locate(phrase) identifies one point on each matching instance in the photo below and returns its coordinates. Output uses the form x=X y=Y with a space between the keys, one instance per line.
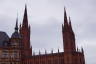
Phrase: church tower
x=16 y=37
x=25 y=34
x=68 y=35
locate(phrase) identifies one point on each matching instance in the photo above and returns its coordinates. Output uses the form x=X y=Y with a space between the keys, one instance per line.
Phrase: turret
x=16 y=37
x=16 y=33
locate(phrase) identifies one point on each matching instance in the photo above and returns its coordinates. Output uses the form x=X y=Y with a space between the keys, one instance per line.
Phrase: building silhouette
x=17 y=48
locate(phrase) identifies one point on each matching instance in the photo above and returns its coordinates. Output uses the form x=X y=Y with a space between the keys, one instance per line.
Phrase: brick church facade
x=17 y=48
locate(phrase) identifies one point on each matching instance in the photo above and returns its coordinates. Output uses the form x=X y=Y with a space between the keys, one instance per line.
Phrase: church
x=17 y=49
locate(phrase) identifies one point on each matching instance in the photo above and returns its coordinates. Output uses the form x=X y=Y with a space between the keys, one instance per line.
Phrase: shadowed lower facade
x=17 y=48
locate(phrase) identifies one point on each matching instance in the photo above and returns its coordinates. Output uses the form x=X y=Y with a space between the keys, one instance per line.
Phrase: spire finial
x=58 y=50
x=16 y=27
x=52 y=51
x=82 y=49
x=64 y=8
x=25 y=5
x=65 y=17
x=45 y=51
x=25 y=19
x=39 y=52
x=70 y=21
x=33 y=52
x=70 y=25
x=25 y=8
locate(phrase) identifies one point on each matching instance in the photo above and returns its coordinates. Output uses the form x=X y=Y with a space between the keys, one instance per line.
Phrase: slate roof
x=3 y=37
x=15 y=35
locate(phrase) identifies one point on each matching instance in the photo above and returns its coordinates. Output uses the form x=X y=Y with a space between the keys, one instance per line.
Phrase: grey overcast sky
x=46 y=18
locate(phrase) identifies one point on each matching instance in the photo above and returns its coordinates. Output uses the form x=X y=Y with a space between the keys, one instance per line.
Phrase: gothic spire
x=70 y=25
x=16 y=34
x=71 y=30
x=25 y=18
x=66 y=27
x=16 y=27
x=65 y=17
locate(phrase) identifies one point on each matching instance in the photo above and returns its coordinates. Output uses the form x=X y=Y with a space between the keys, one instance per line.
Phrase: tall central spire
x=25 y=33
x=25 y=18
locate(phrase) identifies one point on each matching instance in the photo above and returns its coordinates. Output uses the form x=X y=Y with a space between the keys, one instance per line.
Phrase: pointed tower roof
x=70 y=22
x=70 y=25
x=65 y=27
x=16 y=27
x=16 y=34
x=65 y=17
x=25 y=18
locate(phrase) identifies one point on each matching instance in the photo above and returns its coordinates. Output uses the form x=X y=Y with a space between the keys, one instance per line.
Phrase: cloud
x=46 y=17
